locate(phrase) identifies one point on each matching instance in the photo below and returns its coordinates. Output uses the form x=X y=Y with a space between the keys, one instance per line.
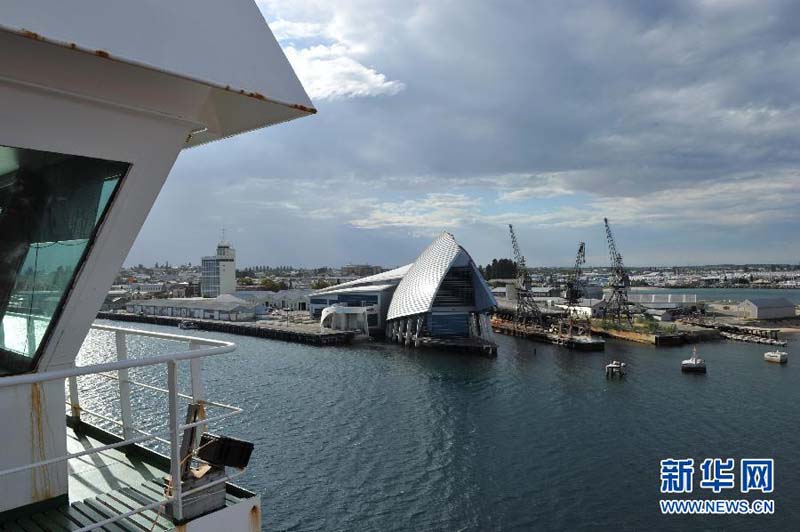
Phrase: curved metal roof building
x=440 y=299
x=419 y=288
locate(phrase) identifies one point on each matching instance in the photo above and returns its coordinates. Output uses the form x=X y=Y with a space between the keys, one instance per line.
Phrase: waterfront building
x=766 y=308
x=441 y=295
x=373 y=292
x=224 y=308
x=146 y=288
x=218 y=272
x=292 y=299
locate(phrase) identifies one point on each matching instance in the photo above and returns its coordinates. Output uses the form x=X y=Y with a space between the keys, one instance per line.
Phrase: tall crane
x=574 y=290
x=573 y=295
x=617 y=304
x=528 y=312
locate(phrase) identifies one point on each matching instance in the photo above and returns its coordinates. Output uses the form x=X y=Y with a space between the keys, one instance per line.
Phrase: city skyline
x=678 y=122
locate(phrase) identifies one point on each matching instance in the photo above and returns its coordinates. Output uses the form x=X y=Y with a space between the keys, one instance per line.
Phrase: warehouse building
x=225 y=308
x=767 y=308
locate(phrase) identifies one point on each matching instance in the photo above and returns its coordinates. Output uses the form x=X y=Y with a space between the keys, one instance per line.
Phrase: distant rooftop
x=770 y=302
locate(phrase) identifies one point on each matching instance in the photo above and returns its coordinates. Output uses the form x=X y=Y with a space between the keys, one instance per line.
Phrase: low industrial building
x=766 y=308
x=292 y=299
x=589 y=308
x=441 y=298
x=225 y=308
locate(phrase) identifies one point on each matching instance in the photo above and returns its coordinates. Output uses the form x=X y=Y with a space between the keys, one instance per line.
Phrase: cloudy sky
x=679 y=121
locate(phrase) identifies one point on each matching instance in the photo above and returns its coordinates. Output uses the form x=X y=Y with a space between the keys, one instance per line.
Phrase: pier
x=740 y=333
x=537 y=334
x=287 y=332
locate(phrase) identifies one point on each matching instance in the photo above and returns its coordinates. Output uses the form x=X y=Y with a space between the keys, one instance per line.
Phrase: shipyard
x=399 y=266
x=465 y=304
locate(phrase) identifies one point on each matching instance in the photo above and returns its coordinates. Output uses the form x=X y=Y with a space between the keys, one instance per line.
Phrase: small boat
x=187 y=324
x=615 y=369
x=694 y=364
x=779 y=357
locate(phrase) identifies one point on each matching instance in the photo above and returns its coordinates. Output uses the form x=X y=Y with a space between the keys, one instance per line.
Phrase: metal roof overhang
x=237 y=82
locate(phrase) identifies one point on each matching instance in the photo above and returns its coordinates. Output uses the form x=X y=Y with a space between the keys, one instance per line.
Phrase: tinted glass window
x=50 y=208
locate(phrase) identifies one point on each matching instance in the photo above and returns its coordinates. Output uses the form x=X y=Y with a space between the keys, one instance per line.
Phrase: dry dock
x=289 y=332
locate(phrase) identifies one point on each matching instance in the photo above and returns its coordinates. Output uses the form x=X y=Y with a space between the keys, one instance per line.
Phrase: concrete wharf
x=287 y=332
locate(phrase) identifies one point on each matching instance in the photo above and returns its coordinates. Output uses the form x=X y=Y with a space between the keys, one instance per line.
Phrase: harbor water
x=378 y=437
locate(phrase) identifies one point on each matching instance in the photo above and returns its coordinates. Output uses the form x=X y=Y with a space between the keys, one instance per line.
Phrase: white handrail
x=193 y=354
x=31 y=378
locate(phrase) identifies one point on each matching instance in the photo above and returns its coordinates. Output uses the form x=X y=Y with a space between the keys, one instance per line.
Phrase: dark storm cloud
x=657 y=114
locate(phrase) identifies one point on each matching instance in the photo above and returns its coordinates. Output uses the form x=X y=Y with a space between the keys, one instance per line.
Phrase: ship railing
x=198 y=349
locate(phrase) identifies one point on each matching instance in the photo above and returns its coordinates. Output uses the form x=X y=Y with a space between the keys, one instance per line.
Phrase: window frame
x=10 y=358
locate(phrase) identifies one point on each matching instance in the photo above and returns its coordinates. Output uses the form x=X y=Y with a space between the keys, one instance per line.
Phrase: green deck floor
x=100 y=486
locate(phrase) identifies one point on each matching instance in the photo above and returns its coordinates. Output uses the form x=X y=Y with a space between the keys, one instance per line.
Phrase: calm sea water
x=377 y=437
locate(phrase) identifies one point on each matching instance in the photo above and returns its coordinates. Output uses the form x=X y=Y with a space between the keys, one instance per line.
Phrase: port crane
x=573 y=295
x=528 y=312
x=617 y=305
x=574 y=290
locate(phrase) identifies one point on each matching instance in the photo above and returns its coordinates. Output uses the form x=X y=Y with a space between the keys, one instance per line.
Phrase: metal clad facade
x=415 y=293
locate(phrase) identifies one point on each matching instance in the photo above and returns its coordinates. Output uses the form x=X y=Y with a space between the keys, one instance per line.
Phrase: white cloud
x=330 y=66
x=427 y=215
x=330 y=73
x=517 y=187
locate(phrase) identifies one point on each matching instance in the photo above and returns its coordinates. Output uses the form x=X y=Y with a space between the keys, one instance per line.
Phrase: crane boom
x=527 y=310
x=617 y=304
x=574 y=290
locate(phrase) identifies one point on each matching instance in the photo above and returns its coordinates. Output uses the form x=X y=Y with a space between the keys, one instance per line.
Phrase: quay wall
x=287 y=334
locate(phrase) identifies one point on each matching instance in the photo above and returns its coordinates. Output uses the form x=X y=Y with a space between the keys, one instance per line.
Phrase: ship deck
x=102 y=485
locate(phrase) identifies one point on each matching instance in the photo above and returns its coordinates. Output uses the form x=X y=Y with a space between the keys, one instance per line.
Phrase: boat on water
x=97 y=102
x=615 y=369
x=779 y=357
x=188 y=325
x=694 y=364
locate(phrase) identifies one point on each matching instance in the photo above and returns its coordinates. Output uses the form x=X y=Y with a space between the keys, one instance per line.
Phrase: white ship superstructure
x=97 y=99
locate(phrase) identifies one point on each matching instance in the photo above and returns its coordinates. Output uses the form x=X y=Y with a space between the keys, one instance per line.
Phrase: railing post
x=196 y=366
x=124 y=387
x=174 y=446
x=74 y=401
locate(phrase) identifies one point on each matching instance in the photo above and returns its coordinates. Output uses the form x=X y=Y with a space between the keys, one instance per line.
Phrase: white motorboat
x=779 y=357
x=694 y=364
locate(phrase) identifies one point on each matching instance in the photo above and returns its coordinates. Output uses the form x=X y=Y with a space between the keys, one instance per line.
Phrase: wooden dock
x=472 y=344
x=286 y=332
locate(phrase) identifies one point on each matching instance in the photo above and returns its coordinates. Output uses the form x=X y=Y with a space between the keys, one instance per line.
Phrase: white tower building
x=219 y=272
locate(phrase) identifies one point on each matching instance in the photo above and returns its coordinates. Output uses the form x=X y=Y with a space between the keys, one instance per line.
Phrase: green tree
x=319 y=284
x=271 y=285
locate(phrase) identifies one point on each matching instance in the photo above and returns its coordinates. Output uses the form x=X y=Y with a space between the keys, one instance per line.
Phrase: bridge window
x=51 y=206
